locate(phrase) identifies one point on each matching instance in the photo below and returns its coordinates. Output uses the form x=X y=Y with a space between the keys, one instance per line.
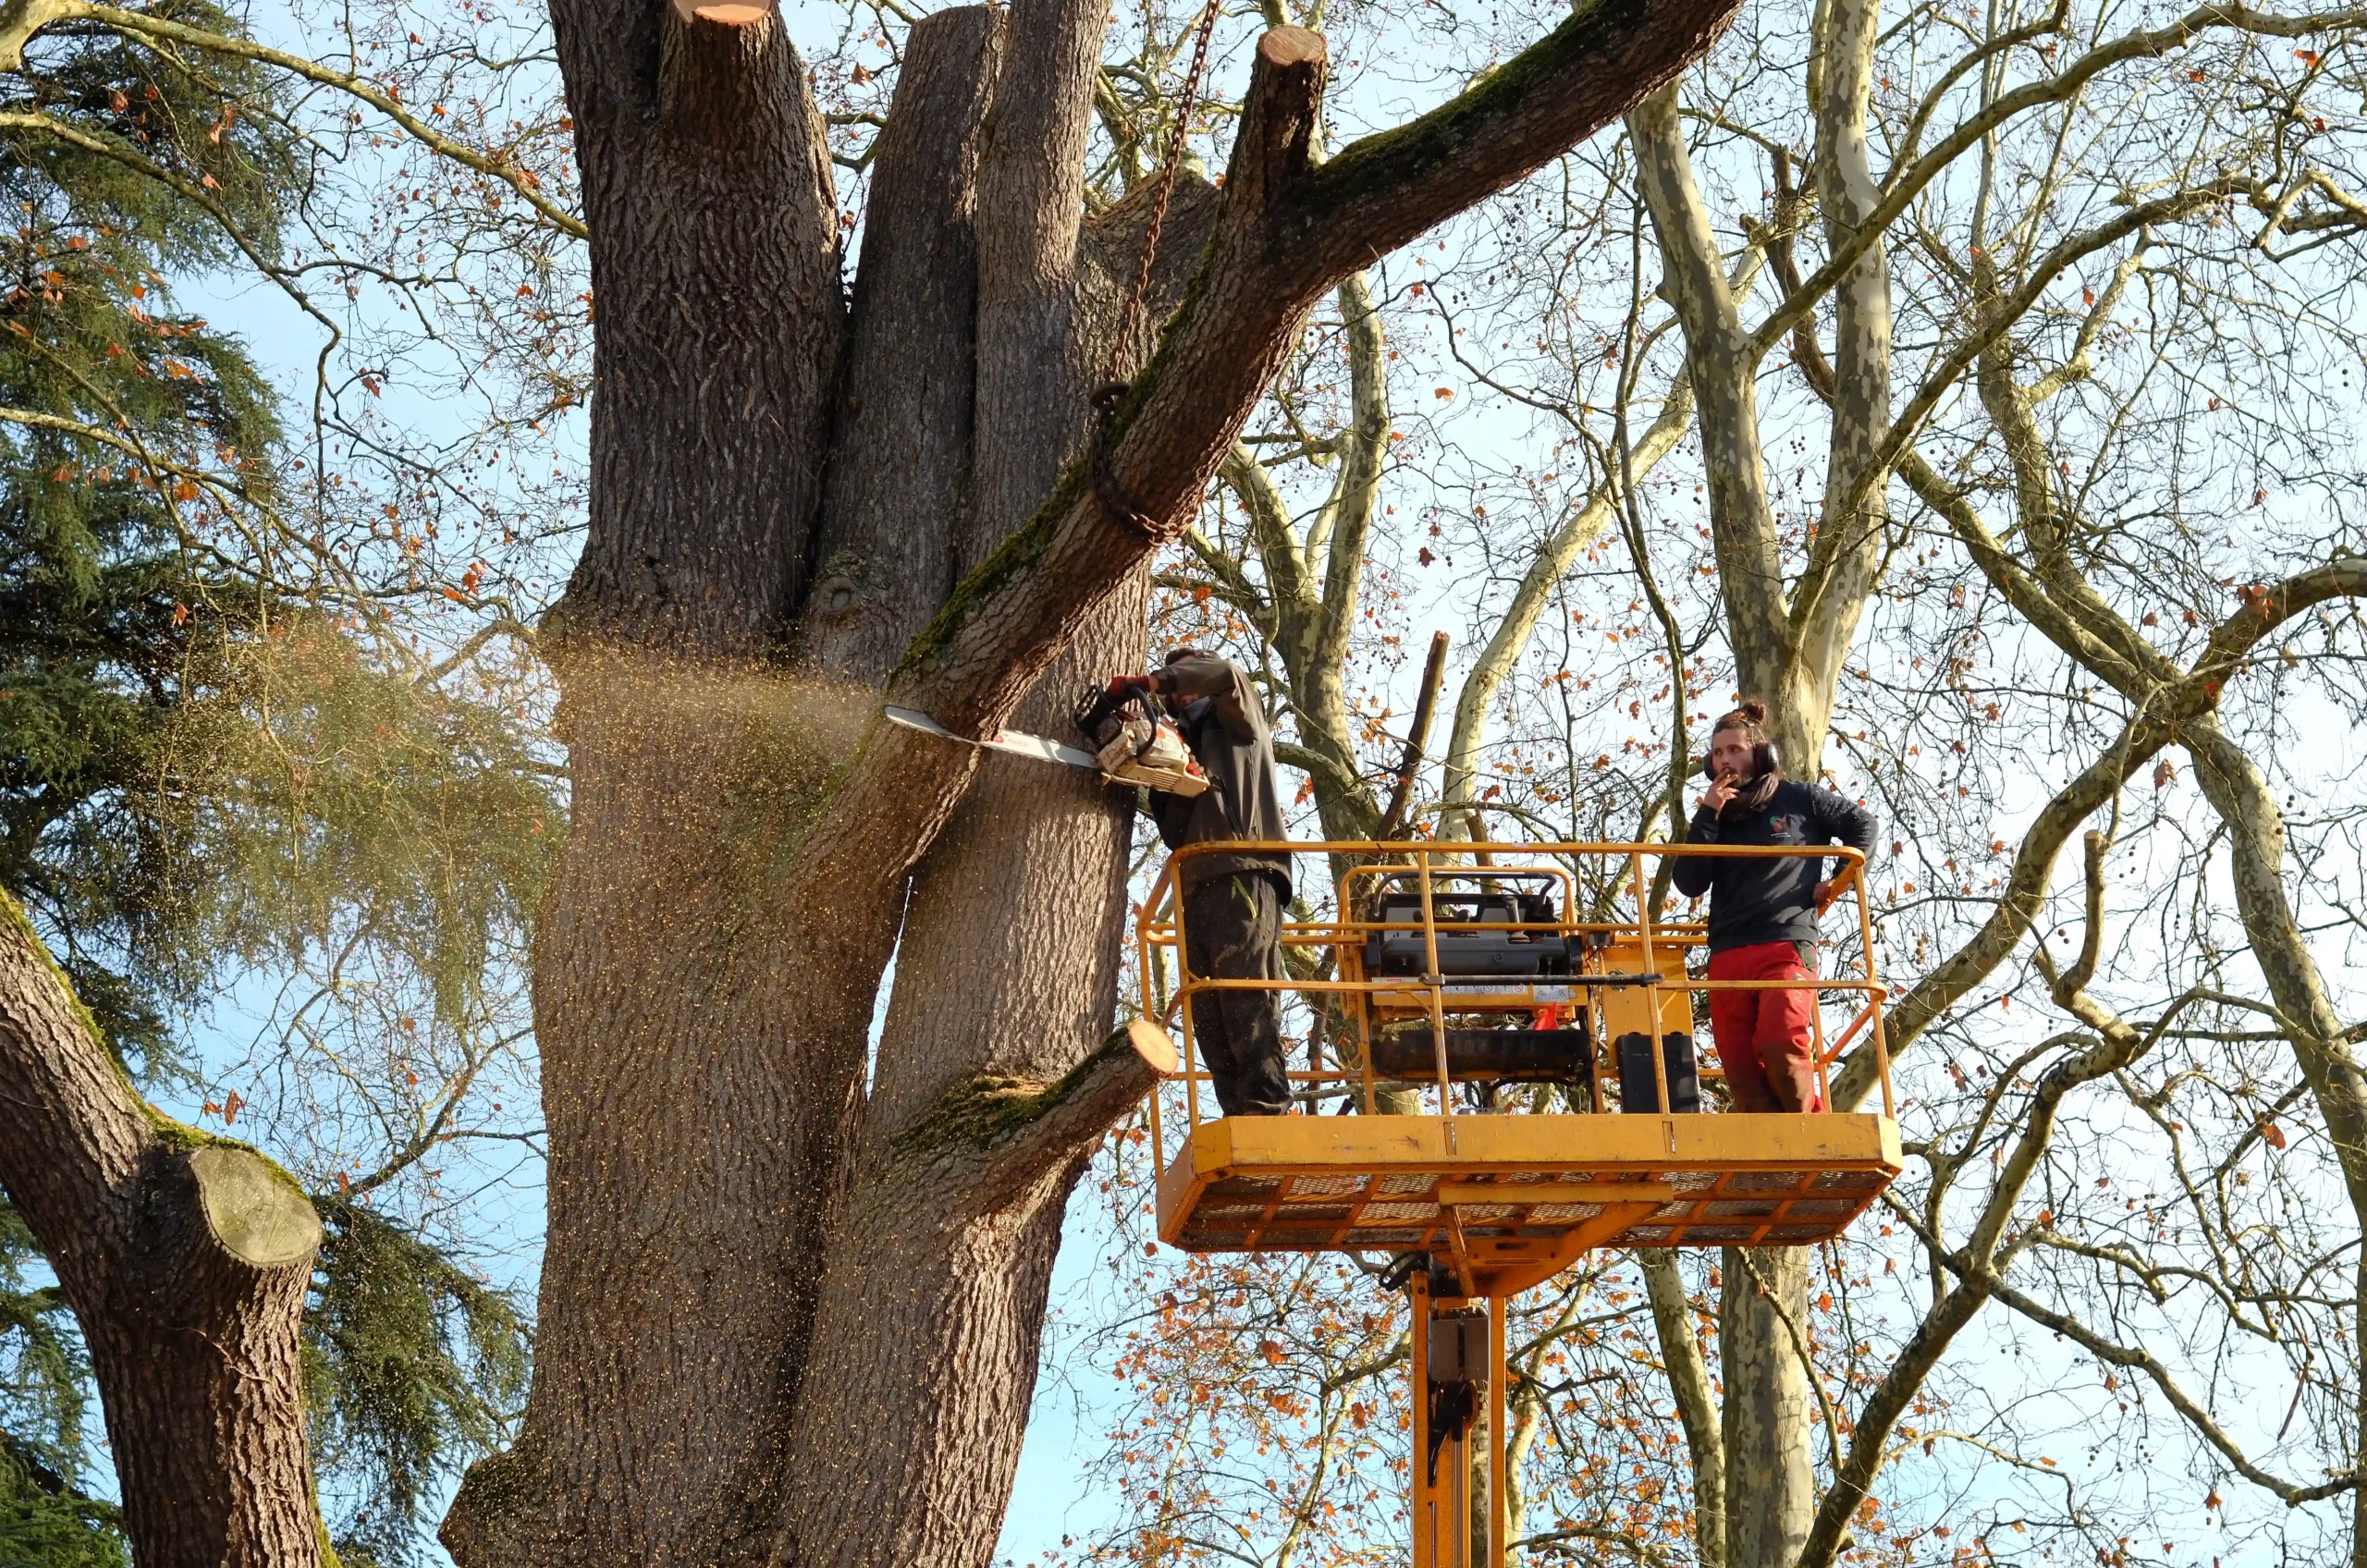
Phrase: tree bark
x=1697 y=1409
x=186 y=1258
x=1846 y=554
x=2255 y=823
x=715 y=260
x=923 y=1358
x=1723 y=366
x=1012 y=936
x=900 y=464
x=1771 y=1489
x=693 y=1086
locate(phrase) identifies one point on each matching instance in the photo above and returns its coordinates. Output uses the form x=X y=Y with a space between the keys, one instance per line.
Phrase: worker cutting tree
x=1232 y=902
x=1763 y=909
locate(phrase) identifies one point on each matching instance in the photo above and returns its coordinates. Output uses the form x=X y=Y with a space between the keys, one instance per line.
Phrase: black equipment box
x=1639 y=1094
x=1500 y=900
x=1535 y=1056
x=1459 y=1347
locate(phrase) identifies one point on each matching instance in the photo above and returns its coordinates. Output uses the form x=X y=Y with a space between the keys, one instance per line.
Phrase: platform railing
x=1159 y=931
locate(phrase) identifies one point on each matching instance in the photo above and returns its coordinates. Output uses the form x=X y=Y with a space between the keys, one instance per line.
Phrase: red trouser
x=1763 y=1036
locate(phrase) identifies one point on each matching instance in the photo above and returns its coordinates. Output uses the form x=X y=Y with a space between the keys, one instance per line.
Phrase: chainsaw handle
x=1096 y=706
x=1149 y=704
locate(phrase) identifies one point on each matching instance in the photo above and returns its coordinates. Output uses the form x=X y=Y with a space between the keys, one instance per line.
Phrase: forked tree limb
x=1982 y=1263
x=1262 y=272
x=2017 y=909
x=2268 y=605
x=993 y=1140
x=1749 y=556
x=2255 y=821
x=1902 y=186
x=2166 y=717
x=186 y=1259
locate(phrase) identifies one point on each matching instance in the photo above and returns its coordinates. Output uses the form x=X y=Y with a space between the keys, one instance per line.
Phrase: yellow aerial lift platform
x=1437 y=944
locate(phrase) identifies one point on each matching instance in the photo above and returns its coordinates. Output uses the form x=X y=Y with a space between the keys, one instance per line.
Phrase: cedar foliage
x=107 y=592
x=207 y=761
x=411 y=1363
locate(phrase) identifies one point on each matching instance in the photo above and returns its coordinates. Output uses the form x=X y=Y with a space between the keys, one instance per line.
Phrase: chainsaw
x=1134 y=742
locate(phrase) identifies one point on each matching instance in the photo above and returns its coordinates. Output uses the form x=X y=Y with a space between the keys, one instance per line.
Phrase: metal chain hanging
x=1107 y=397
x=1135 y=303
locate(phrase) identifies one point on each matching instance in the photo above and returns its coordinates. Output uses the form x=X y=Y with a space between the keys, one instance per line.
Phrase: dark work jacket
x=1770 y=898
x=1225 y=726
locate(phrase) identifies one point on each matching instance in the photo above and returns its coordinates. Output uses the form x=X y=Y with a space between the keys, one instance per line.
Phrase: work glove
x=1121 y=687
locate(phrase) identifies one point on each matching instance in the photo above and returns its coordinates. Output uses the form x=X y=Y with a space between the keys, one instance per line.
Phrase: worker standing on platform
x=1233 y=903
x=1763 y=909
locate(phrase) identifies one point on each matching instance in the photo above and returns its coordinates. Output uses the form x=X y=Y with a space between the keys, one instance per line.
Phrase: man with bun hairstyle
x=1764 y=908
x=1233 y=903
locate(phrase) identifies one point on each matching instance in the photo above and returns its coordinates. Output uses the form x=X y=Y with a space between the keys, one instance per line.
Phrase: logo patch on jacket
x=1782 y=824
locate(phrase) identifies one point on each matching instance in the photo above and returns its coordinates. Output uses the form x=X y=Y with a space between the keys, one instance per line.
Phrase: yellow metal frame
x=1499 y=1191
x=1658 y=946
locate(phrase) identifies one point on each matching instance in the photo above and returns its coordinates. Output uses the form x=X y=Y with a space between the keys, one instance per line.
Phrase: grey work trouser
x=1233 y=930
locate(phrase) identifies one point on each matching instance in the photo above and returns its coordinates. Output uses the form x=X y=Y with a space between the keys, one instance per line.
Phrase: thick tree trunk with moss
x=791 y=1292
x=186 y=1258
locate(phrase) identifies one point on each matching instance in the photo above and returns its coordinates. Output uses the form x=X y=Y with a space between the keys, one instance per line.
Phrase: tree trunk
x=1770 y=1489
x=186 y=1258
x=1697 y=1409
x=2255 y=823
x=1010 y=952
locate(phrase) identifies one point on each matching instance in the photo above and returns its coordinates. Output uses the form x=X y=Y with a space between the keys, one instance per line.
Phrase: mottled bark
x=186 y=1259
x=1724 y=368
x=1846 y=554
x=2255 y=824
x=1696 y=1406
x=1770 y=1489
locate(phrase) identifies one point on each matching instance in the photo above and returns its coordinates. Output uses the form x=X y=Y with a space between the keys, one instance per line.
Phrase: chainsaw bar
x=1016 y=742
x=1117 y=763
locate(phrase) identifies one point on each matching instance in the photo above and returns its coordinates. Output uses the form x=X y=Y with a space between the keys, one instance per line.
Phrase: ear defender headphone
x=1764 y=760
